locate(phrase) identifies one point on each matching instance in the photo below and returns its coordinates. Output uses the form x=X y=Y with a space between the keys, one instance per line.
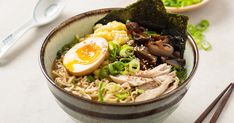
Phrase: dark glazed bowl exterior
x=88 y=111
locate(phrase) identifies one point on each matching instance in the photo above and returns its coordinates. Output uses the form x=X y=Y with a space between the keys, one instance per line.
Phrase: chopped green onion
x=116 y=67
x=134 y=66
x=191 y=28
x=197 y=32
x=199 y=35
x=126 y=51
x=103 y=72
x=113 y=49
x=119 y=65
x=112 y=87
x=206 y=45
x=100 y=92
x=203 y=25
x=125 y=71
x=180 y=3
x=112 y=69
x=124 y=66
x=140 y=91
x=116 y=88
x=125 y=60
x=96 y=73
x=122 y=95
x=90 y=78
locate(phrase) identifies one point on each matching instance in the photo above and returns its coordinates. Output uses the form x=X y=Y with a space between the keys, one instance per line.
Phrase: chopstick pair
x=225 y=95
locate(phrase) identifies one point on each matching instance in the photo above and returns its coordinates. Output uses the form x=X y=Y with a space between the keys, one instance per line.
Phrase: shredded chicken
x=149 y=85
x=157 y=71
x=174 y=86
x=132 y=80
x=164 y=82
x=153 y=93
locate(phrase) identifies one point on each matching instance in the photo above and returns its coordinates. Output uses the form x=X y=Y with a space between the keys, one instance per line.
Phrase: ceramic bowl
x=87 y=111
x=187 y=8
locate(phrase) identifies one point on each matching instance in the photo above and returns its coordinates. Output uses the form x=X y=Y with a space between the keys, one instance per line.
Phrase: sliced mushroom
x=132 y=26
x=141 y=29
x=141 y=38
x=165 y=39
x=157 y=71
x=159 y=48
x=146 y=58
x=132 y=80
x=176 y=54
x=153 y=93
x=176 y=62
x=173 y=63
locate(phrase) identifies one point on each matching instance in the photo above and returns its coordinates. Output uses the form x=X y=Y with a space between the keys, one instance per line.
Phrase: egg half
x=86 y=56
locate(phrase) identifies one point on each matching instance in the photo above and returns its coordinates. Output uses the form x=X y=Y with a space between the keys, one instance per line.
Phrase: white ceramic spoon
x=44 y=12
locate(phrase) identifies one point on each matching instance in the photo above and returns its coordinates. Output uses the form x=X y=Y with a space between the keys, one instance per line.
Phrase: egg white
x=85 y=69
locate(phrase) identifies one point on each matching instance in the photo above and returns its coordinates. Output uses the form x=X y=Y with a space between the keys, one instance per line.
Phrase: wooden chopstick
x=221 y=105
x=212 y=105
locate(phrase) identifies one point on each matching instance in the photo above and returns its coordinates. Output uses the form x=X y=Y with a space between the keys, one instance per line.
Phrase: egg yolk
x=88 y=53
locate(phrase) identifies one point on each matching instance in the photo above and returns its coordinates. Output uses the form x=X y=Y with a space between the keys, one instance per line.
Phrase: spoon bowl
x=47 y=10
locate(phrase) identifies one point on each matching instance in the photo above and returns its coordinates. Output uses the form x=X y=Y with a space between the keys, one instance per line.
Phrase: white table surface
x=25 y=97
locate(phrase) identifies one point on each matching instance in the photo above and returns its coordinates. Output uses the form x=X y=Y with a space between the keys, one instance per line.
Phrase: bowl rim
x=187 y=8
x=105 y=11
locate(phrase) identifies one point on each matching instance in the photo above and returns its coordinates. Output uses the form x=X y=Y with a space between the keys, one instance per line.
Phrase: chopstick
x=221 y=105
x=212 y=105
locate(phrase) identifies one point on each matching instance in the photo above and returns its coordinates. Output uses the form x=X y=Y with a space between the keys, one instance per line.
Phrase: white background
x=25 y=97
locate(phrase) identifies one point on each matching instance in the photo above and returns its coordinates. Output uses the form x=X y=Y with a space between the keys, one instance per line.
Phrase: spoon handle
x=11 y=38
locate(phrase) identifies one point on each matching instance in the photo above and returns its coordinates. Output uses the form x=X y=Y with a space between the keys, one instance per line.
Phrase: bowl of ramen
x=104 y=66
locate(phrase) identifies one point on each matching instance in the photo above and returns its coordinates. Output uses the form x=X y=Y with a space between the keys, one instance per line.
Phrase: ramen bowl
x=88 y=111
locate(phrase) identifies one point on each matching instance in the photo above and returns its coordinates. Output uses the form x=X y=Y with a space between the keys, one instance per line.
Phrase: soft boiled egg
x=86 y=56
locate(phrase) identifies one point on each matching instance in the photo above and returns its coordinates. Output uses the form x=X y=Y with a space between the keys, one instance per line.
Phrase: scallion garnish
x=180 y=3
x=100 y=92
x=90 y=78
x=122 y=95
x=197 y=32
